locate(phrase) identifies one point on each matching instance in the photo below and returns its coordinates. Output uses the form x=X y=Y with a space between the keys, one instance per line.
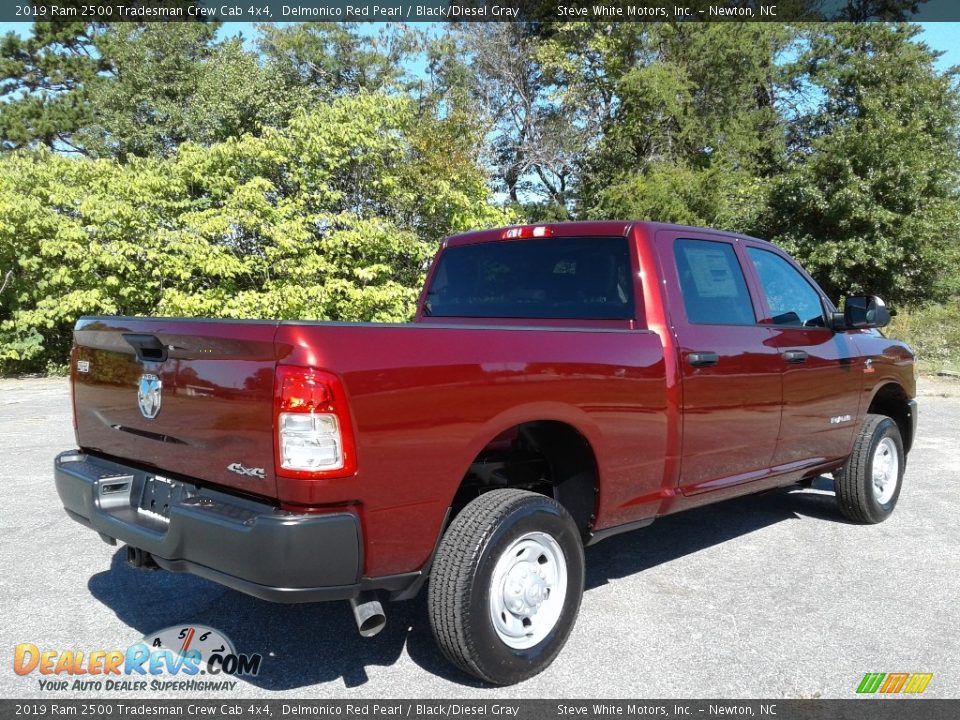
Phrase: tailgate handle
x=148 y=347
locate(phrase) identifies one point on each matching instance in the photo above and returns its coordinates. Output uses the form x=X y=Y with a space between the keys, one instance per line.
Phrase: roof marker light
x=527 y=231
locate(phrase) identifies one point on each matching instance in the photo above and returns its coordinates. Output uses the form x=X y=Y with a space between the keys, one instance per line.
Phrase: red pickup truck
x=561 y=383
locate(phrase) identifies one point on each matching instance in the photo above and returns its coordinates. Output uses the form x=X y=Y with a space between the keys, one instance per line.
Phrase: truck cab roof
x=580 y=228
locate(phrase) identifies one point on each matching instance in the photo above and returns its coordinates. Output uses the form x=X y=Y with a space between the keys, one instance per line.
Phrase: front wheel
x=868 y=485
x=506 y=585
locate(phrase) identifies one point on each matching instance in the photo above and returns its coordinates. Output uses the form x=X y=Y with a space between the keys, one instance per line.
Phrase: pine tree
x=870 y=197
x=44 y=82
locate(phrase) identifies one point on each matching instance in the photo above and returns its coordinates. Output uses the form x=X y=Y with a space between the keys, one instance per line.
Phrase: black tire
x=459 y=596
x=857 y=495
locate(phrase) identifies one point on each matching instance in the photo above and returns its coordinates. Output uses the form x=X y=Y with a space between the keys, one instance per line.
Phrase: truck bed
x=426 y=397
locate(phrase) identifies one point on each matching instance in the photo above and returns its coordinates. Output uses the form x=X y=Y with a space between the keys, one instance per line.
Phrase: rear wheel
x=506 y=585
x=868 y=486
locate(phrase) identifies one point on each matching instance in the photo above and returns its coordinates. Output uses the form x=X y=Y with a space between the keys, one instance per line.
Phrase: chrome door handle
x=705 y=358
x=795 y=356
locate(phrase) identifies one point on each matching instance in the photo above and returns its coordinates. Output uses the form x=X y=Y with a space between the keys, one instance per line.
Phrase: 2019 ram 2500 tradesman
x=560 y=383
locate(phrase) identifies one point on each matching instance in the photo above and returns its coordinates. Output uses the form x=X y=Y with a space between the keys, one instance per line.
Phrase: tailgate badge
x=148 y=395
x=245 y=471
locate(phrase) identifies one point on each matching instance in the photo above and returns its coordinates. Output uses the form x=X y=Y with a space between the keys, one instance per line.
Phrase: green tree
x=168 y=84
x=533 y=144
x=331 y=217
x=334 y=217
x=237 y=93
x=869 y=200
x=135 y=89
x=141 y=102
x=685 y=116
x=43 y=83
x=332 y=59
x=78 y=236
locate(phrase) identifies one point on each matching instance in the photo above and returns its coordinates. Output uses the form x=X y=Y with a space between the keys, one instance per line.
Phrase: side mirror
x=861 y=312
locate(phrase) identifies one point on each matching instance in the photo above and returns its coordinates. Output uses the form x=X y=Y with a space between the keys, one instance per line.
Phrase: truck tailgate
x=208 y=385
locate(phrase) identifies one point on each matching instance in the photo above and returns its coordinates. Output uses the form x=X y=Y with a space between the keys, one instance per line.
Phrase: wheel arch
x=891 y=399
x=565 y=436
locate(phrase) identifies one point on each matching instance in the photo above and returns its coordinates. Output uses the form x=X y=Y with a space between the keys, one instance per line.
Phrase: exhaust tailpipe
x=140 y=559
x=368 y=612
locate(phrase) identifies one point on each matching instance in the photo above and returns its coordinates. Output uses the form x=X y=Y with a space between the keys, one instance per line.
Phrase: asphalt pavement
x=772 y=596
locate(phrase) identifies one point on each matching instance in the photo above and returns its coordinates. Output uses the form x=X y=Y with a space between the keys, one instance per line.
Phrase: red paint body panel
x=731 y=412
x=425 y=398
x=217 y=397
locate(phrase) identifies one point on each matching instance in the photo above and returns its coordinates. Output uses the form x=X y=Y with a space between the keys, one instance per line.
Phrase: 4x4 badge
x=246 y=471
x=148 y=395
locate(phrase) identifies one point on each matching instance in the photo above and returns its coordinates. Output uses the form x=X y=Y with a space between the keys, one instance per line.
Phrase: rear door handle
x=705 y=358
x=795 y=356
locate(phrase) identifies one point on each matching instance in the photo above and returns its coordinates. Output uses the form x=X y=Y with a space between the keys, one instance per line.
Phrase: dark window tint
x=792 y=299
x=712 y=282
x=574 y=278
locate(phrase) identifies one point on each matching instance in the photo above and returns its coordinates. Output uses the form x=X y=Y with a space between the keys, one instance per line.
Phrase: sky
x=942 y=36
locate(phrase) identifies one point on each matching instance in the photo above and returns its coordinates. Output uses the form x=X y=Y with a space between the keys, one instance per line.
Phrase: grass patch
x=933 y=331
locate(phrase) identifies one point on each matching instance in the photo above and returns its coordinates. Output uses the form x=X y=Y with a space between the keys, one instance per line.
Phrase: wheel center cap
x=525 y=590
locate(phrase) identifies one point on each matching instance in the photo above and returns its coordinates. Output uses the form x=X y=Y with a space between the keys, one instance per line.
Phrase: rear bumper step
x=238 y=542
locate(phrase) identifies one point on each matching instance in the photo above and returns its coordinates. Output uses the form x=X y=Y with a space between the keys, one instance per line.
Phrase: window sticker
x=711 y=272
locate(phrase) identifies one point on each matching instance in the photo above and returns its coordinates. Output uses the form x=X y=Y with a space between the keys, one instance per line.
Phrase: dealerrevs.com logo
x=172 y=659
x=894 y=683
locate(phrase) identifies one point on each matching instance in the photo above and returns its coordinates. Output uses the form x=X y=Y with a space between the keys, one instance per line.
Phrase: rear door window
x=570 y=278
x=712 y=282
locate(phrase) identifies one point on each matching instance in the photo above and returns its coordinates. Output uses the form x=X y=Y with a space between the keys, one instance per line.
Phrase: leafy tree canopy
x=869 y=198
x=134 y=90
x=159 y=167
x=331 y=217
x=685 y=117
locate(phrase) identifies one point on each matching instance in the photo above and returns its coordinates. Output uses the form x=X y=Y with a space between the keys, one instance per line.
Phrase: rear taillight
x=314 y=436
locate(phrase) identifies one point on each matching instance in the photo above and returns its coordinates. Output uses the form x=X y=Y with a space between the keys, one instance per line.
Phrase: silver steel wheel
x=527 y=590
x=886 y=470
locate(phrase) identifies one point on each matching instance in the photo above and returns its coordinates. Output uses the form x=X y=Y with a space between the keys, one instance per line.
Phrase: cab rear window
x=569 y=278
